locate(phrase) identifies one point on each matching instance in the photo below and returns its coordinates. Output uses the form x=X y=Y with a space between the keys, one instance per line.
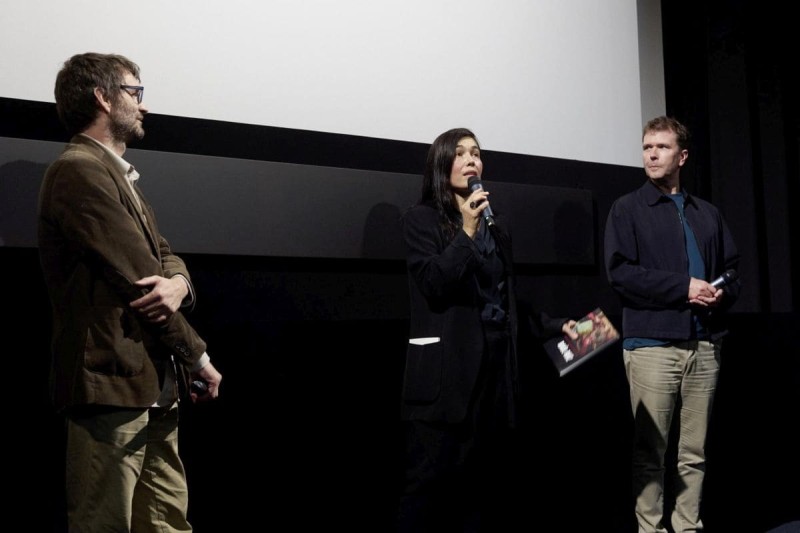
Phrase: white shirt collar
x=126 y=168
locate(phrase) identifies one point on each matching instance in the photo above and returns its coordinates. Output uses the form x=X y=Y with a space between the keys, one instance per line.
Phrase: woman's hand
x=568 y=328
x=471 y=209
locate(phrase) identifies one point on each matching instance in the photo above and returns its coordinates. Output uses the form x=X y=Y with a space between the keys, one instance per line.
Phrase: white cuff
x=203 y=361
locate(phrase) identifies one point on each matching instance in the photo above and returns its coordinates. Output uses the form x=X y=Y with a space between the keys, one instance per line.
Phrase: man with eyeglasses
x=122 y=351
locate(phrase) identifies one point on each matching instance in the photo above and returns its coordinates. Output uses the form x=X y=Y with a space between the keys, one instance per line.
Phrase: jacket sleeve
x=541 y=324
x=439 y=268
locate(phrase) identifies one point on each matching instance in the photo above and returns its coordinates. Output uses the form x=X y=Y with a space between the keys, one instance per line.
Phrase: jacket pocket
x=423 y=374
x=114 y=345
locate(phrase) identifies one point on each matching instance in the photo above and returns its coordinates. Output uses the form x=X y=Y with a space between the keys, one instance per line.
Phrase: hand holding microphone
x=727 y=277
x=205 y=386
x=474 y=184
x=698 y=291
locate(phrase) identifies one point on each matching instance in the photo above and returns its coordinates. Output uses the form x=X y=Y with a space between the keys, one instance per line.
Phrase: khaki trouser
x=678 y=379
x=123 y=471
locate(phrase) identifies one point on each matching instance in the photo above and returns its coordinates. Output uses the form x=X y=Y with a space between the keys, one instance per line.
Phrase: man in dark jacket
x=663 y=249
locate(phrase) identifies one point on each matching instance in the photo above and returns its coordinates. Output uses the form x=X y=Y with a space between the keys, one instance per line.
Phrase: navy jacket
x=647 y=265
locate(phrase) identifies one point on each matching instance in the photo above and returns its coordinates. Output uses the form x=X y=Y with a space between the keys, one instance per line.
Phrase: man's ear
x=102 y=101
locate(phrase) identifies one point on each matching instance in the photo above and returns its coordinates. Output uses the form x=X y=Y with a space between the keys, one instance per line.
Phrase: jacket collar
x=115 y=166
x=652 y=195
x=101 y=152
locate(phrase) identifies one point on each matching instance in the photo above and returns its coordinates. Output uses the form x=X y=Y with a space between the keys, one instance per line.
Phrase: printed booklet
x=590 y=336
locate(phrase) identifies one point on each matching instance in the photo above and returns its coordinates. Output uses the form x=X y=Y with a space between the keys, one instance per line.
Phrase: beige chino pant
x=675 y=380
x=123 y=472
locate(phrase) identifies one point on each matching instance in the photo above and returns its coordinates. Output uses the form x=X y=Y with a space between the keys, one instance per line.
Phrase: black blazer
x=446 y=338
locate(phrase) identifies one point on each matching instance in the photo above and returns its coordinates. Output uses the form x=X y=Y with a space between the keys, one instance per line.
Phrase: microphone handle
x=488 y=215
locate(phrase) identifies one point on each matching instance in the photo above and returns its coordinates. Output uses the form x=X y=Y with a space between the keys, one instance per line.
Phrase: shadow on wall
x=19 y=196
x=383 y=237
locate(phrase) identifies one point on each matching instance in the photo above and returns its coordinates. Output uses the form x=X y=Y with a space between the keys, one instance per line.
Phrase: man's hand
x=163 y=299
x=212 y=379
x=704 y=294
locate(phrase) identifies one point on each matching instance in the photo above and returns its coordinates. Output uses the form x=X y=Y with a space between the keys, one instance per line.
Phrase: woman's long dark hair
x=436 y=191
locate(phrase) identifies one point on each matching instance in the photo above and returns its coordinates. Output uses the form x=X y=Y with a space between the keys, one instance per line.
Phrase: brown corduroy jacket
x=94 y=243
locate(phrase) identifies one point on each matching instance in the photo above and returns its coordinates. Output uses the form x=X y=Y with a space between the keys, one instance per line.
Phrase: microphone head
x=474 y=183
x=199 y=387
x=727 y=277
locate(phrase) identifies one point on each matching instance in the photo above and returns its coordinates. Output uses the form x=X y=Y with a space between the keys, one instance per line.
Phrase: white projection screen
x=571 y=80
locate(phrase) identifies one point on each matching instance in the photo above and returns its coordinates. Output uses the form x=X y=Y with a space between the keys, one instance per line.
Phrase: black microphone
x=727 y=277
x=474 y=183
x=199 y=387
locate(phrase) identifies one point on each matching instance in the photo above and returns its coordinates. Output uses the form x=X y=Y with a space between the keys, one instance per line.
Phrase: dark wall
x=729 y=73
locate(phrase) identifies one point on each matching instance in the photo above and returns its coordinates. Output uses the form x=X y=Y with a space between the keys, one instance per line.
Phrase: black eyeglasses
x=137 y=91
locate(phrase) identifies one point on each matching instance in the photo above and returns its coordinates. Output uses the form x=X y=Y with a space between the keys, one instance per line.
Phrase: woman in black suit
x=459 y=388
